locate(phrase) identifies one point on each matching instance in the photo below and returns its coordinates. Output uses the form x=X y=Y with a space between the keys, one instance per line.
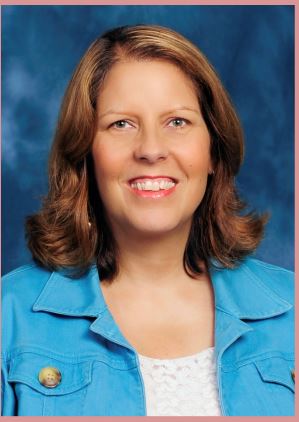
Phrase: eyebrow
x=180 y=108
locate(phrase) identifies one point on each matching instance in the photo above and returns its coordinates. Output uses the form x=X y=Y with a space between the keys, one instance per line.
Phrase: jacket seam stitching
x=74 y=360
x=32 y=382
x=265 y=288
x=273 y=267
x=253 y=360
x=19 y=270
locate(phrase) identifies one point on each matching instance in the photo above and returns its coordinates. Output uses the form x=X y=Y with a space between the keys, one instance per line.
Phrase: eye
x=178 y=122
x=121 y=124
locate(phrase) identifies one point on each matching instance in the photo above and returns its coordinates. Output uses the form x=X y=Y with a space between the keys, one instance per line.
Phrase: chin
x=155 y=227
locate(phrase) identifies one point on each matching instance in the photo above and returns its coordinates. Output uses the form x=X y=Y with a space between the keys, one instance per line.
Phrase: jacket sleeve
x=8 y=400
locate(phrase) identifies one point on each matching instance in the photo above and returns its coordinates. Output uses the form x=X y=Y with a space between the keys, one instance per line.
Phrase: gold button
x=49 y=377
x=293 y=375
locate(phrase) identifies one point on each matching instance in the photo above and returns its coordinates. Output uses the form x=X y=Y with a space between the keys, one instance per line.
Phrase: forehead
x=147 y=80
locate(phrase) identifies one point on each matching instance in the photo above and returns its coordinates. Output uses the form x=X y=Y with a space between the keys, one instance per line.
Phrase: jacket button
x=49 y=377
x=293 y=375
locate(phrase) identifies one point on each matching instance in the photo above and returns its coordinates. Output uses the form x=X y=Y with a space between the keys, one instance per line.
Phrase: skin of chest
x=164 y=323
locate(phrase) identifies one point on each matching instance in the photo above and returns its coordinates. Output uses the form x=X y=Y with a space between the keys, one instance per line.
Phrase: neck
x=152 y=260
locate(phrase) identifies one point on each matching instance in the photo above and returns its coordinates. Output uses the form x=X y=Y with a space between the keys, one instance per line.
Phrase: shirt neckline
x=179 y=359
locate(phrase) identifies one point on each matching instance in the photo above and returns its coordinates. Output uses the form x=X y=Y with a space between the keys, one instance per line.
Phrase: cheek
x=197 y=160
x=107 y=163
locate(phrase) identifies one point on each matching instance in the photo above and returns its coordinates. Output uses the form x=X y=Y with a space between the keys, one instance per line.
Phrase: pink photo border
x=185 y=2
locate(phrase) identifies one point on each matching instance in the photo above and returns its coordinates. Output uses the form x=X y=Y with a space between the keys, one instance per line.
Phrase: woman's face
x=151 y=148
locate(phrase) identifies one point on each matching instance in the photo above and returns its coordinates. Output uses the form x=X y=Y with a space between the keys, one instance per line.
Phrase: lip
x=172 y=179
x=153 y=194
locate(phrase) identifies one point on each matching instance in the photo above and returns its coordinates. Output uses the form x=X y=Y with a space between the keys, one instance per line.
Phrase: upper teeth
x=153 y=185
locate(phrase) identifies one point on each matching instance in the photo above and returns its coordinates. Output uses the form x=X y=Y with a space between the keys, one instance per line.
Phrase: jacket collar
x=73 y=297
x=244 y=292
x=80 y=297
x=84 y=297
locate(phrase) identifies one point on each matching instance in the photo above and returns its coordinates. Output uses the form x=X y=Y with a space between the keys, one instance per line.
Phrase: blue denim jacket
x=50 y=320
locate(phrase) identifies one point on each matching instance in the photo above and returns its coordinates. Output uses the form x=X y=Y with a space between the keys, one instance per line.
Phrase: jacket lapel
x=239 y=294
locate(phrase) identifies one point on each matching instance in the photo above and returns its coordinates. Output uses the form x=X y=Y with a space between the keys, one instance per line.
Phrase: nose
x=151 y=147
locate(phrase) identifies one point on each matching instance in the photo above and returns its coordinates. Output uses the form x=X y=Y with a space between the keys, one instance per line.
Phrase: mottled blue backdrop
x=252 y=49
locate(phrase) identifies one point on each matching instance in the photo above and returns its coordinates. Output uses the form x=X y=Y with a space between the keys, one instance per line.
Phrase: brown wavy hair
x=71 y=230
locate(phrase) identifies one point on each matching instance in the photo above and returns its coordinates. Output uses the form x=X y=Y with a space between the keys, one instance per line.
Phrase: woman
x=142 y=198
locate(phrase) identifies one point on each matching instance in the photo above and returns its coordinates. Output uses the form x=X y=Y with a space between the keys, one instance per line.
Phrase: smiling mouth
x=153 y=186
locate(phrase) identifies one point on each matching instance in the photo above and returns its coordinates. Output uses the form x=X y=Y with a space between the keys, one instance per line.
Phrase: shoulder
x=23 y=285
x=254 y=289
x=19 y=290
x=278 y=279
x=24 y=276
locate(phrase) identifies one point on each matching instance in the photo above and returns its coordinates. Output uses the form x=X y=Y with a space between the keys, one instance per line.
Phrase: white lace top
x=184 y=386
